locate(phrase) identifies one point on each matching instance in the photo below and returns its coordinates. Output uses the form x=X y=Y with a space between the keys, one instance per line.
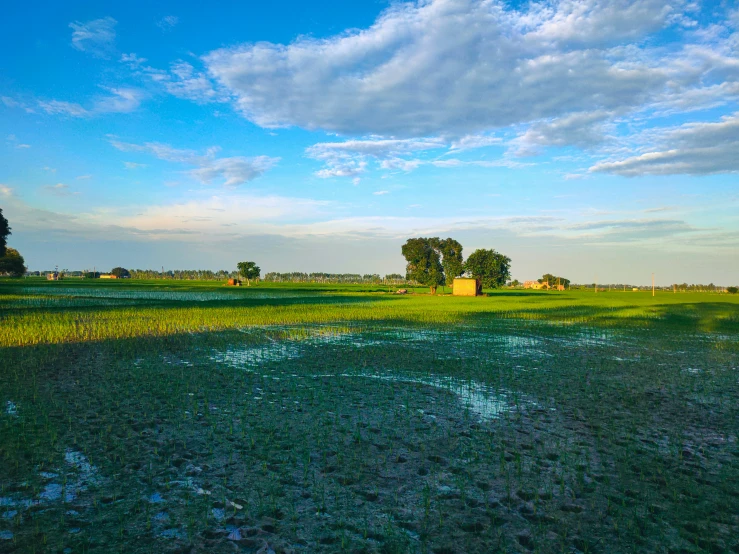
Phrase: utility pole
x=596 y=284
x=652 y=284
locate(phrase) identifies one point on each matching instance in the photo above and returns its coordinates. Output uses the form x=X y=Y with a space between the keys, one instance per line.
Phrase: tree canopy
x=12 y=263
x=491 y=267
x=423 y=263
x=249 y=271
x=120 y=272
x=451 y=257
x=4 y=232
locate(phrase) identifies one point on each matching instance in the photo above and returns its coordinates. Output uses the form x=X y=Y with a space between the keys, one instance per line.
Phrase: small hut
x=466 y=287
x=234 y=283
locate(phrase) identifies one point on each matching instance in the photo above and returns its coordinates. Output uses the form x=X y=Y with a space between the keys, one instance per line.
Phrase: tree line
x=434 y=262
x=336 y=278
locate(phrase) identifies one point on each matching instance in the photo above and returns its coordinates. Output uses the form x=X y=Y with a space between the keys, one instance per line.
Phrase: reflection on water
x=182 y=296
x=480 y=399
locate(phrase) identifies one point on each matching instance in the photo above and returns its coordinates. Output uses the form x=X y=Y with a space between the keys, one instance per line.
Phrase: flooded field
x=482 y=432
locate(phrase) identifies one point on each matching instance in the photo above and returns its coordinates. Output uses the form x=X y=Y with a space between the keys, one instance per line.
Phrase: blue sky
x=585 y=138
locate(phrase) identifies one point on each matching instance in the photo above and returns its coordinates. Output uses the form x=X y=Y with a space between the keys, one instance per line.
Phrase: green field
x=191 y=417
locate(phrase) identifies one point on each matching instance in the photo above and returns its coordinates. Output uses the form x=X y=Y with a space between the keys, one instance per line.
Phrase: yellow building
x=466 y=287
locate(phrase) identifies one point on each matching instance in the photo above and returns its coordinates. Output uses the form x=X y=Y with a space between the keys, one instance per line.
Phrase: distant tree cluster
x=553 y=280
x=335 y=278
x=184 y=274
x=696 y=287
x=732 y=290
x=433 y=262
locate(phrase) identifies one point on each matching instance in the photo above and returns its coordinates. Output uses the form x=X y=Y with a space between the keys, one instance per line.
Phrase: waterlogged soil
x=508 y=437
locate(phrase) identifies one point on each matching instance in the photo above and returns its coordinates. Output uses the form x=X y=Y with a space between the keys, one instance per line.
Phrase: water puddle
x=11 y=408
x=482 y=400
x=82 y=475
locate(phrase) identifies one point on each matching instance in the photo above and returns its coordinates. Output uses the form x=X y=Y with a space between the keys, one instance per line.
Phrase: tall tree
x=249 y=271
x=491 y=267
x=4 y=232
x=451 y=257
x=423 y=263
x=12 y=263
x=120 y=272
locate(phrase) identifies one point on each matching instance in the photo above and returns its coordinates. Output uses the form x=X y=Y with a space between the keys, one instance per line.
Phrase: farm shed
x=234 y=283
x=467 y=287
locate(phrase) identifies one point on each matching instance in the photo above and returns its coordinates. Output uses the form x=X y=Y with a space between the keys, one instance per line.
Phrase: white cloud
x=233 y=171
x=451 y=67
x=96 y=36
x=167 y=22
x=381 y=192
x=132 y=165
x=474 y=141
x=400 y=164
x=58 y=107
x=132 y=60
x=60 y=189
x=23 y=145
x=349 y=158
x=454 y=162
x=183 y=81
x=5 y=190
x=584 y=130
x=121 y=100
x=692 y=148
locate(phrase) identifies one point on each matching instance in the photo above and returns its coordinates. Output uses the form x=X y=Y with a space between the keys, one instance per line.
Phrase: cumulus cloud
x=584 y=130
x=233 y=171
x=693 y=148
x=451 y=67
x=5 y=190
x=95 y=37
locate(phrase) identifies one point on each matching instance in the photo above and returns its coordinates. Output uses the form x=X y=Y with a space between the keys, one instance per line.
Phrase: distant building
x=108 y=276
x=53 y=276
x=536 y=285
x=466 y=287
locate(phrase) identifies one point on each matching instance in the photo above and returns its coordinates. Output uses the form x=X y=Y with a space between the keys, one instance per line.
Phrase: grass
x=143 y=417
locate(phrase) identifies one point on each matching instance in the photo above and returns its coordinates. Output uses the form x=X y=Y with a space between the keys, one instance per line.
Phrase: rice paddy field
x=191 y=417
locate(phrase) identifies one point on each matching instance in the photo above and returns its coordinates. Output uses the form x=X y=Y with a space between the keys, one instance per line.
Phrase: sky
x=594 y=139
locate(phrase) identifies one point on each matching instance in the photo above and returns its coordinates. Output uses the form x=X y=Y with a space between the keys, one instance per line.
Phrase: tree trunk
x=433 y=290
x=248 y=282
